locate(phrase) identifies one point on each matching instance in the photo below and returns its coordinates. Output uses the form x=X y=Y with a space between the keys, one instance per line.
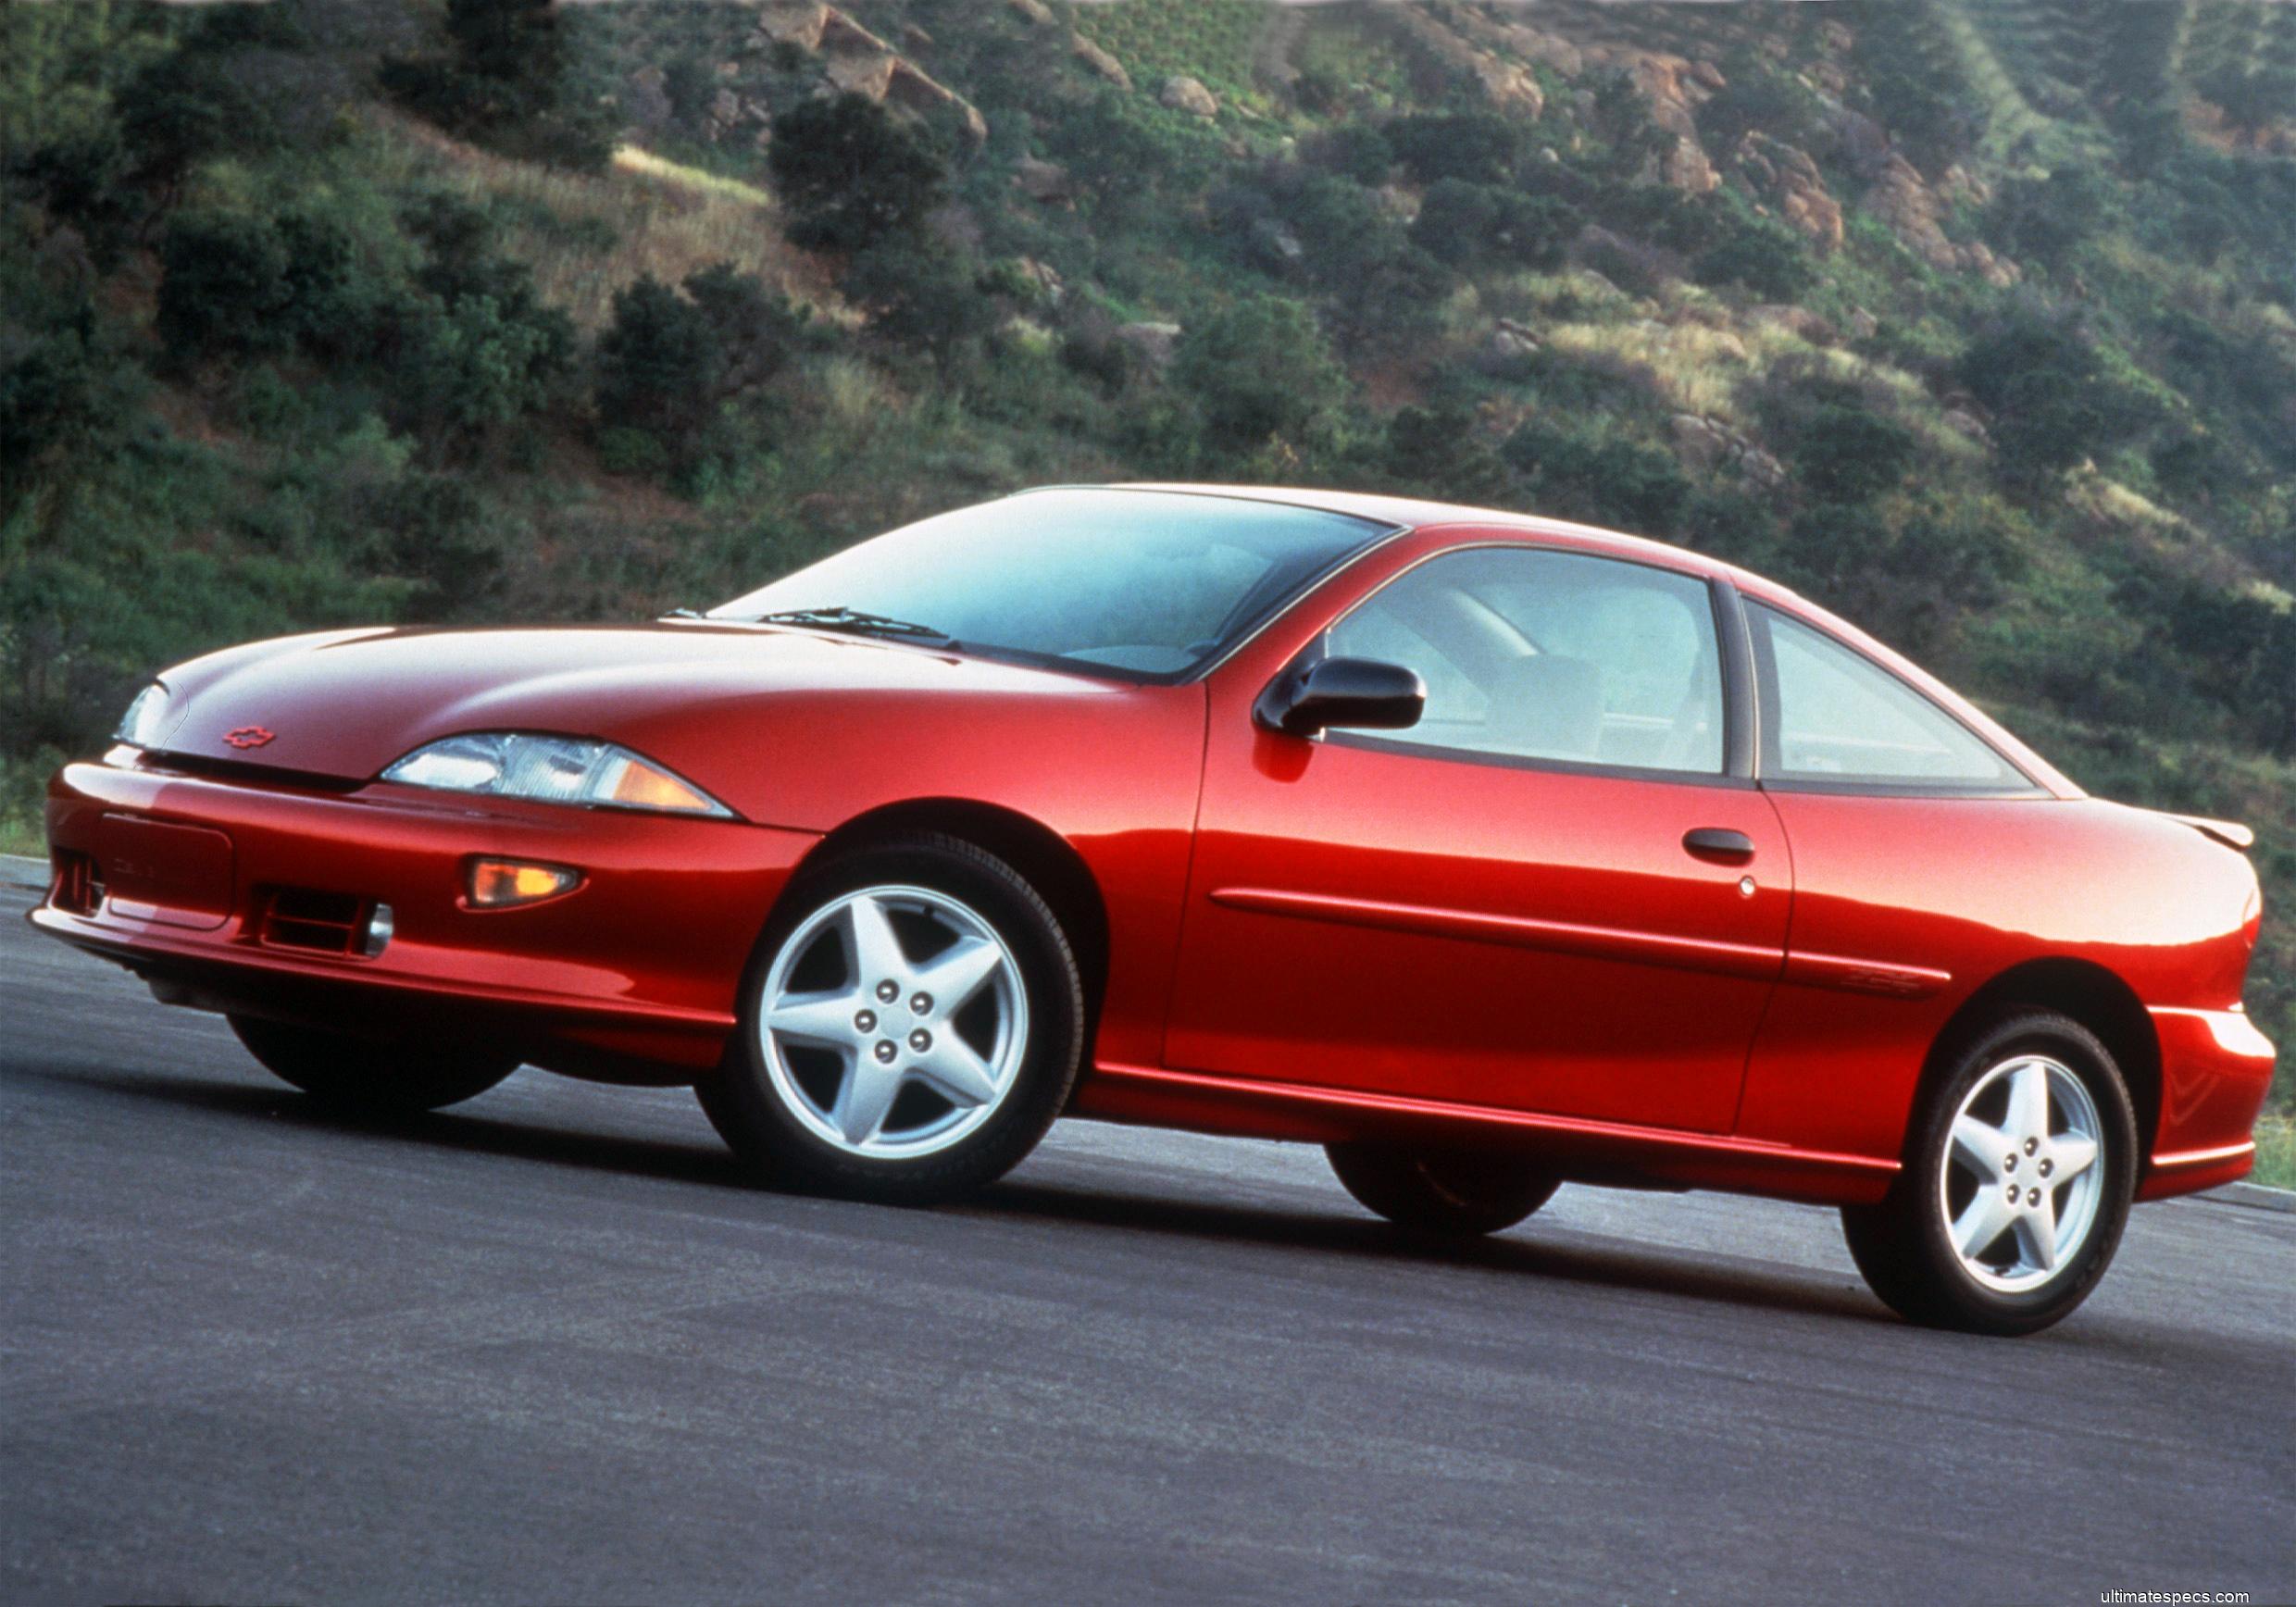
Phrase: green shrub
x=1463 y=223
x=851 y=175
x=1260 y=370
x=1439 y=450
x=224 y=290
x=1600 y=478
x=921 y=296
x=1480 y=147
x=668 y=362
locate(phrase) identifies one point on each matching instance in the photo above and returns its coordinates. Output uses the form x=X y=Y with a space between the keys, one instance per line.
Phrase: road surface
x=549 y=1347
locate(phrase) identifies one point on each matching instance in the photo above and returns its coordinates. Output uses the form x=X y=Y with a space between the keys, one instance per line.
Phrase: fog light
x=378 y=932
x=504 y=883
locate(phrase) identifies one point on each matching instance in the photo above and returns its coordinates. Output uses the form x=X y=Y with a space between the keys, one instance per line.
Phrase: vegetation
x=1974 y=320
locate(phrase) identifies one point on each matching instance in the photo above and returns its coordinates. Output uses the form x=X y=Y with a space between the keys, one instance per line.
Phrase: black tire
x=747 y=1105
x=373 y=1076
x=1441 y=1193
x=1902 y=1246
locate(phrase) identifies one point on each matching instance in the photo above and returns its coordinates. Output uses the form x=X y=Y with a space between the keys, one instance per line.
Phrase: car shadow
x=1523 y=1251
x=1531 y=1251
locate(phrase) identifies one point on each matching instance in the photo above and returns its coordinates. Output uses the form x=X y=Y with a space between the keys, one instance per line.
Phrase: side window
x=1839 y=717
x=1561 y=656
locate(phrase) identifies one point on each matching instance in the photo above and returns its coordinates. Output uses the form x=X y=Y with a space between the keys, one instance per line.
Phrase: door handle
x=1718 y=842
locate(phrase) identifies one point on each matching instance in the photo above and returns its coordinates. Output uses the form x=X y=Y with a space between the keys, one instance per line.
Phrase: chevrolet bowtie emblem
x=249 y=737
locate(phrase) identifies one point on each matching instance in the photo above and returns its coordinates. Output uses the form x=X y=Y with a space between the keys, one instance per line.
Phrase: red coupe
x=1490 y=853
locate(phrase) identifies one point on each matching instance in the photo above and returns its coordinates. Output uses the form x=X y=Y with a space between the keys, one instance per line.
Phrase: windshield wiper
x=856 y=621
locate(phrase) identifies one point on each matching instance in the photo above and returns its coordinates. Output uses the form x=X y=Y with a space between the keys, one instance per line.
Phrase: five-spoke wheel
x=911 y=1024
x=894 y=1021
x=2020 y=1189
x=2017 y=1177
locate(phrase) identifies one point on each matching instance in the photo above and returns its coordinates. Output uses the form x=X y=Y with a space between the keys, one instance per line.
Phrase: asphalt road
x=548 y=1347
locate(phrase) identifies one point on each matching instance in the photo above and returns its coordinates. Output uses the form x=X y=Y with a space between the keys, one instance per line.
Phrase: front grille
x=322 y=923
x=246 y=773
x=79 y=884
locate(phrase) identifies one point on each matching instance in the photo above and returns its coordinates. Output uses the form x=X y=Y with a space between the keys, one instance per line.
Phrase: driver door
x=1550 y=895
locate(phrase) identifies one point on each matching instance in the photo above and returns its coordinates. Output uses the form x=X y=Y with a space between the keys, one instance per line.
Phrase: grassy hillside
x=1974 y=321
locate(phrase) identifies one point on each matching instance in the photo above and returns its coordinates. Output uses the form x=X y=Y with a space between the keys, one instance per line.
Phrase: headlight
x=552 y=770
x=146 y=719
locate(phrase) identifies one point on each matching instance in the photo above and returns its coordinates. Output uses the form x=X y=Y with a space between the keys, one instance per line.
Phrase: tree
x=1461 y=223
x=920 y=296
x=1261 y=368
x=224 y=289
x=1480 y=148
x=1439 y=450
x=851 y=175
x=2045 y=384
x=502 y=80
x=669 y=361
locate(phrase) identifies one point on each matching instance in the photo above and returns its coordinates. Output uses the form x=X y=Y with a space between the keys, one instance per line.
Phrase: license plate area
x=173 y=875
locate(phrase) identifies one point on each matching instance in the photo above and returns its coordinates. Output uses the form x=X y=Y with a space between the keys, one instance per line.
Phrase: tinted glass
x=1552 y=655
x=1842 y=717
x=1145 y=584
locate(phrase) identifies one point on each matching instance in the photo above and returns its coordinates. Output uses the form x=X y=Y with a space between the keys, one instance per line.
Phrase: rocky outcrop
x=1509 y=88
x=1710 y=447
x=1789 y=178
x=1904 y=200
x=1046 y=184
x=1675 y=87
x=1182 y=94
x=859 y=62
x=1100 y=61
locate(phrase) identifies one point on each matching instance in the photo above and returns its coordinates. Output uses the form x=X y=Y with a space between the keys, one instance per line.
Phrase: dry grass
x=2275 y=1152
x=587 y=235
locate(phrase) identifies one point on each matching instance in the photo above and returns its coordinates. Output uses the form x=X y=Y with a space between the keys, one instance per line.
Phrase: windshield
x=1147 y=585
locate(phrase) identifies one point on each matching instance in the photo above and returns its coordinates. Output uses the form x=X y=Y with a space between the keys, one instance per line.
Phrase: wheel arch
x=1051 y=865
x=2089 y=994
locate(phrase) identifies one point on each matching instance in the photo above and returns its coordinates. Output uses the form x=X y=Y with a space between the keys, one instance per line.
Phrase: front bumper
x=2215 y=1068
x=638 y=966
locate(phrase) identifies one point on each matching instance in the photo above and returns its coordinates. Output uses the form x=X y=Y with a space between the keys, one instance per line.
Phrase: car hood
x=346 y=703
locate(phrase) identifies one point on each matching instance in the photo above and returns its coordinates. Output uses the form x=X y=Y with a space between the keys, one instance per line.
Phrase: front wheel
x=910 y=1027
x=1439 y=1193
x=2017 y=1177
x=374 y=1075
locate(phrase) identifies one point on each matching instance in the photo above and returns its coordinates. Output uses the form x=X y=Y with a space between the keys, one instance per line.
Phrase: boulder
x=1761 y=469
x=1046 y=184
x=1786 y=175
x=1803 y=322
x=1701 y=443
x=1182 y=94
x=1100 y=61
x=1152 y=344
x=1514 y=338
x=1961 y=421
x=1034 y=11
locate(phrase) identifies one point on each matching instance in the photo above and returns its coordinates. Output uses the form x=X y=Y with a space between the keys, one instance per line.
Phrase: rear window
x=1841 y=717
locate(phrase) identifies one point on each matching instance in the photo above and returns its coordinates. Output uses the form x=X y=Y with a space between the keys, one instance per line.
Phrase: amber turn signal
x=504 y=883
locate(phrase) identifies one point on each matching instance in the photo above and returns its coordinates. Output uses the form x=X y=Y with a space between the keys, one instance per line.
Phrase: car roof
x=1421 y=513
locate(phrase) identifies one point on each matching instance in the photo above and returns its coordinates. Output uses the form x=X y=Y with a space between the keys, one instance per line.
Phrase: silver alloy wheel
x=894 y=1022
x=2023 y=1174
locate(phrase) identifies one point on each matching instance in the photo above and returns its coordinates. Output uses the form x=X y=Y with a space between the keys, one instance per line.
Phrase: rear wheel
x=2017 y=1183
x=910 y=1027
x=372 y=1075
x=1439 y=1193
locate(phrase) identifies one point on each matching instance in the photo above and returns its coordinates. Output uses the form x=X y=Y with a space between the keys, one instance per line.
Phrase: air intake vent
x=79 y=884
x=323 y=923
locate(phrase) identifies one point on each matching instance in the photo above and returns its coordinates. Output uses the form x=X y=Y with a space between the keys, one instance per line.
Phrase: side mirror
x=1359 y=692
